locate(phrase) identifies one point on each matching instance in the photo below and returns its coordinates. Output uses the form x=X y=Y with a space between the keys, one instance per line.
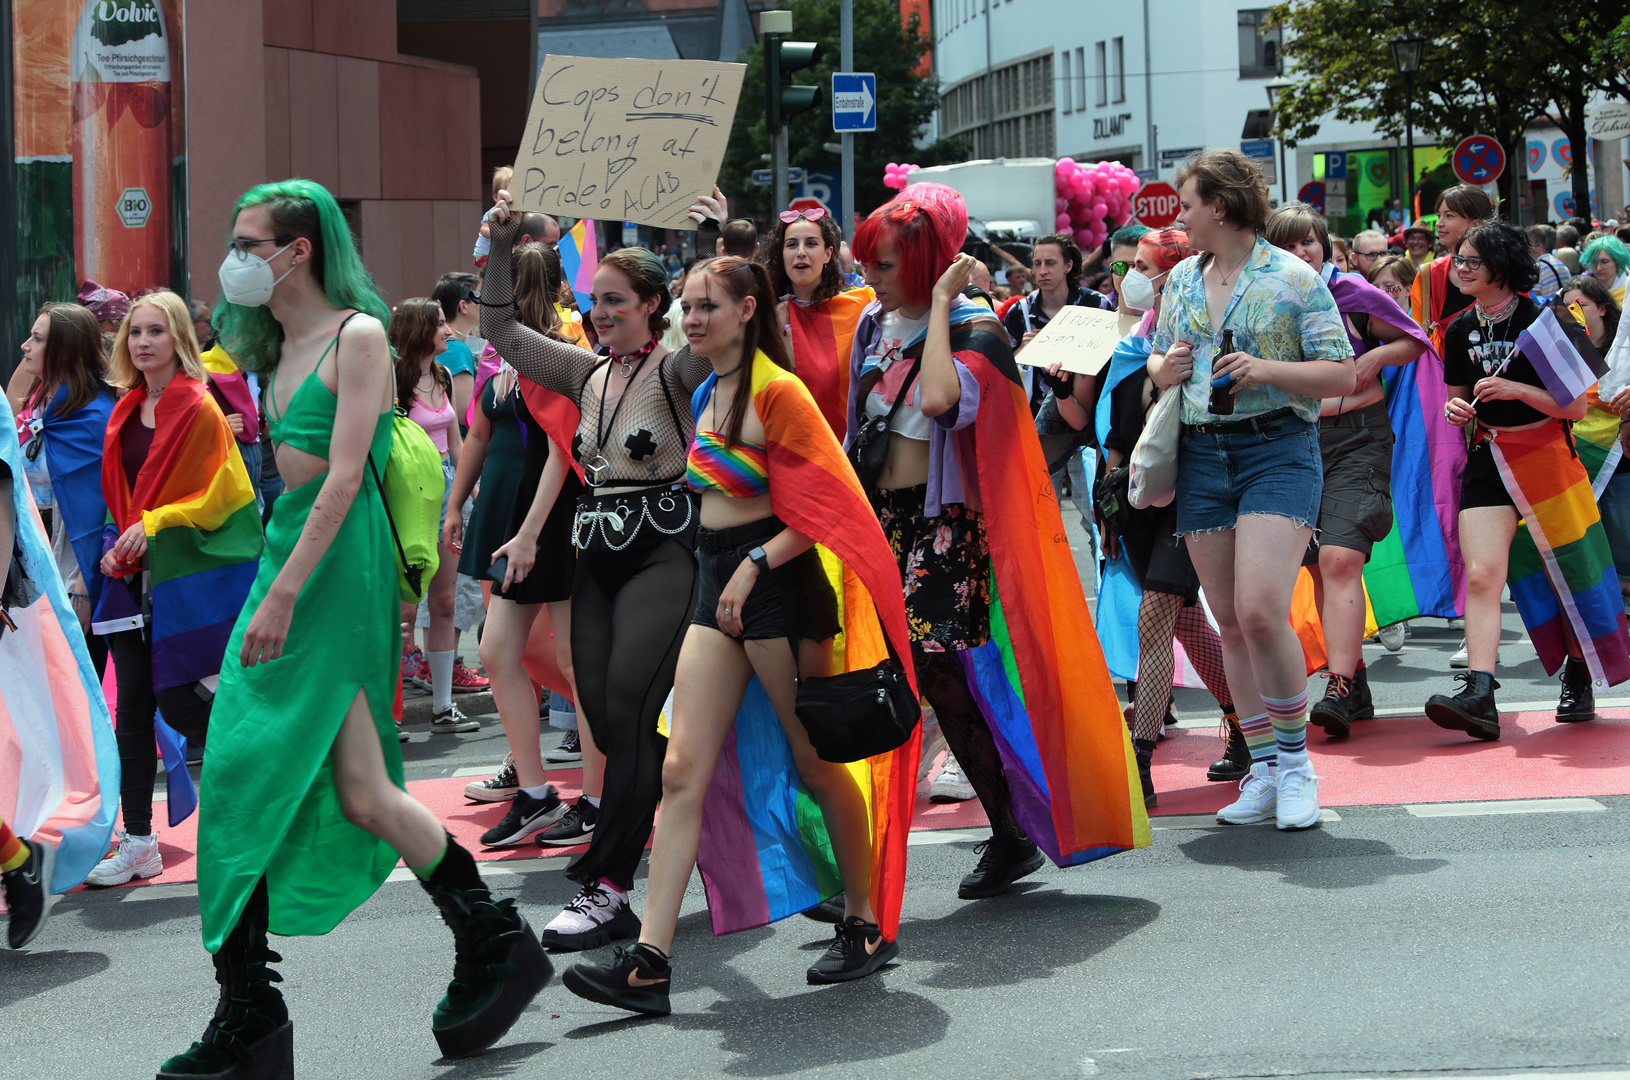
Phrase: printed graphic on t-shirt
x=1492 y=356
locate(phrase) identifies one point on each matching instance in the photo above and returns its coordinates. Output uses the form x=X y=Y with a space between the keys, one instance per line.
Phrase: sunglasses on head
x=790 y=216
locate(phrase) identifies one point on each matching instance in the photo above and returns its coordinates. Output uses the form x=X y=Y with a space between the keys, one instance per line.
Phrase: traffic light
x=785 y=99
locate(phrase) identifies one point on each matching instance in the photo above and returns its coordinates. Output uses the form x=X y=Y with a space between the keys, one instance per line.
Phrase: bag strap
x=905 y=391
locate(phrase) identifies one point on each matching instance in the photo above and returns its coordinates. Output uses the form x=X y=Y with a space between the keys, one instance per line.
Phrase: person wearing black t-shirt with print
x=1493 y=387
x=1056 y=262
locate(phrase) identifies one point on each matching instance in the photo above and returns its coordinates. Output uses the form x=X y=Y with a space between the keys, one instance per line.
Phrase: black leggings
x=630 y=612
x=944 y=683
x=183 y=710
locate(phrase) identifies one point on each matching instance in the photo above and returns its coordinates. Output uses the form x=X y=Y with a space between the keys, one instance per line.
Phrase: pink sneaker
x=465 y=681
x=413 y=666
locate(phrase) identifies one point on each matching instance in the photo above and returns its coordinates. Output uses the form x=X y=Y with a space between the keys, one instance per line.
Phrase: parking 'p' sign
x=1156 y=204
x=1478 y=159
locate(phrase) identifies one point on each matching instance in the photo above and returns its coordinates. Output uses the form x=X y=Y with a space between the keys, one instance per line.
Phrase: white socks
x=441 y=678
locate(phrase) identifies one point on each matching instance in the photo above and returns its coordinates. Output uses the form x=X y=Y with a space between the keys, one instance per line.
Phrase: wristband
x=760 y=559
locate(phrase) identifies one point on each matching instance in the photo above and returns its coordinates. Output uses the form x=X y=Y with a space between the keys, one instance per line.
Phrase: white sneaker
x=1455 y=624
x=1258 y=795
x=1392 y=637
x=1298 y=806
x=598 y=915
x=137 y=857
x=1461 y=659
x=950 y=785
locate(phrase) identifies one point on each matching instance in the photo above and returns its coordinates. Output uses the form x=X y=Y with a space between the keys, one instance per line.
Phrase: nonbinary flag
x=1561 y=352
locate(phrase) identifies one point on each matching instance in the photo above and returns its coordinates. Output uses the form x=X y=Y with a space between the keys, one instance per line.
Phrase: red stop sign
x=806 y=203
x=1155 y=204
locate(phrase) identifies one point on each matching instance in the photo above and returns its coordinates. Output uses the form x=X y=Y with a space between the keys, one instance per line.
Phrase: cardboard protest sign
x=625 y=140
x=1081 y=338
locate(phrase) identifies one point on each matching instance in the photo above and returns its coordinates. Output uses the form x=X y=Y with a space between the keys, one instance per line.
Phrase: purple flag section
x=1562 y=355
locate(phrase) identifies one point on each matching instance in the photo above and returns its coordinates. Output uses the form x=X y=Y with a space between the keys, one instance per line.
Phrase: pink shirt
x=436 y=422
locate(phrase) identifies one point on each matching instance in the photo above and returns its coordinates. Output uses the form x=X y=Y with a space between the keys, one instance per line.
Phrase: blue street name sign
x=854 y=101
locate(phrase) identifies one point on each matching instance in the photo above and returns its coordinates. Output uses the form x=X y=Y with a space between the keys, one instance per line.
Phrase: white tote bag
x=1154 y=459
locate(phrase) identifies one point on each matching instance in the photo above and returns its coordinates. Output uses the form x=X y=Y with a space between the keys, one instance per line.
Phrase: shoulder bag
x=1153 y=464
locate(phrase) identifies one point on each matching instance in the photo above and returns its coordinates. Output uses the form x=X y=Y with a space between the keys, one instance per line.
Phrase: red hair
x=926 y=224
x=1165 y=249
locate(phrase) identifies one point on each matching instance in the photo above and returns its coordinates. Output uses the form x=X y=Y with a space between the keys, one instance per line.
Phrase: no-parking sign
x=1478 y=159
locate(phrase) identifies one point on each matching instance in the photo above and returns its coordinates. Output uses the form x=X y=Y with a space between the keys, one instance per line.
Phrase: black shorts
x=1160 y=557
x=1355 y=509
x=798 y=589
x=1480 y=483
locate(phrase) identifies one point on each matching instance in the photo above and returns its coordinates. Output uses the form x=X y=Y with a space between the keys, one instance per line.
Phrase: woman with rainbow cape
x=59 y=768
x=818 y=312
x=1002 y=642
x=741 y=776
x=303 y=811
x=179 y=552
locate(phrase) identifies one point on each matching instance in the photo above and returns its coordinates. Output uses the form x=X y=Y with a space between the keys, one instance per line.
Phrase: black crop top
x=1472 y=351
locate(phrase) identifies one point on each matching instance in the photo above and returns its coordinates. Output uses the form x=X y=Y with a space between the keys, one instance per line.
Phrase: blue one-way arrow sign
x=854 y=101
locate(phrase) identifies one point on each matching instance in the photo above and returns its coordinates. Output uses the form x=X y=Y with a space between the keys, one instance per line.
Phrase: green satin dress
x=268 y=805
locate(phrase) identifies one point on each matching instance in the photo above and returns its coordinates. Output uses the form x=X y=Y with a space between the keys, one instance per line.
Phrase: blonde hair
x=501 y=176
x=178 y=323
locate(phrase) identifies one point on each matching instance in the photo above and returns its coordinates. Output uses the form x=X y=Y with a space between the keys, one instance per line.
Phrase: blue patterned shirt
x=1280 y=310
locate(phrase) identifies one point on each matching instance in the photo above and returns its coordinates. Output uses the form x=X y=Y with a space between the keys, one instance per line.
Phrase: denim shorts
x=1266 y=465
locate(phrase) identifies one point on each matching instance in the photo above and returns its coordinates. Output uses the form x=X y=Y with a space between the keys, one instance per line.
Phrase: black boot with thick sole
x=1578 y=701
x=250 y=1036
x=1472 y=710
x=1235 y=763
x=499 y=966
x=1334 y=711
x=1362 y=705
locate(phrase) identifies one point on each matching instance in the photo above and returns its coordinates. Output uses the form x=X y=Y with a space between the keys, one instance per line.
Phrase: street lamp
x=1406 y=57
x=1273 y=89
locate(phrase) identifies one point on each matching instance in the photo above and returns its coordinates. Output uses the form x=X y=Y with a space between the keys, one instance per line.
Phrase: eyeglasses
x=814 y=214
x=1368 y=254
x=1119 y=267
x=1469 y=262
x=242 y=244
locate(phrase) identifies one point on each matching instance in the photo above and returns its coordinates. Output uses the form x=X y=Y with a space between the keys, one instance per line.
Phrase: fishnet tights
x=1162 y=616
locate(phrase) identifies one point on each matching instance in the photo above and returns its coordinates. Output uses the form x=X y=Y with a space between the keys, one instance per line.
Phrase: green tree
x=905 y=103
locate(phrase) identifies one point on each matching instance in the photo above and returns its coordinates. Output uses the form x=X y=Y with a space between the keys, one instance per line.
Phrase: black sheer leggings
x=630 y=611
x=943 y=682
x=1162 y=616
x=183 y=710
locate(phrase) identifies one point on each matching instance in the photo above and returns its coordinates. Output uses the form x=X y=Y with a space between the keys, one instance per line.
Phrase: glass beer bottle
x=120 y=92
x=1222 y=400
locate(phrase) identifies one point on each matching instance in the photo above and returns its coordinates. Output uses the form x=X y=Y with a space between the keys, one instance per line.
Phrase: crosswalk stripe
x=1505 y=806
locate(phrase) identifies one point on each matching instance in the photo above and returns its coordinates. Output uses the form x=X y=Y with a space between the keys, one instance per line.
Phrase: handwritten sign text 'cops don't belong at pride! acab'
x=628 y=140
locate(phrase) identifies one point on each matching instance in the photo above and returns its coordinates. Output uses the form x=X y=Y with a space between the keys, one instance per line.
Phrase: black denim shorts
x=796 y=590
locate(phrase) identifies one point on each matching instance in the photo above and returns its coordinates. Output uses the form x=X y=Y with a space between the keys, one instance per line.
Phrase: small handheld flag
x=1562 y=355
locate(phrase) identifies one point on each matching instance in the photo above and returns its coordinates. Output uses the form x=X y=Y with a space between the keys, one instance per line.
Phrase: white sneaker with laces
x=1461 y=659
x=951 y=785
x=1392 y=637
x=137 y=857
x=1298 y=805
x=598 y=915
x=1258 y=795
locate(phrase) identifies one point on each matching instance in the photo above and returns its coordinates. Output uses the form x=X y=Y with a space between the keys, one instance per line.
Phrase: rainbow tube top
x=740 y=471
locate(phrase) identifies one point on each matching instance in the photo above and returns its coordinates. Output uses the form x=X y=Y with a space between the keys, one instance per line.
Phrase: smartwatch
x=760 y=560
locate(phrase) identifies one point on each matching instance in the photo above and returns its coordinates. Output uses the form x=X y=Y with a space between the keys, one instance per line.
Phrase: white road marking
x=161 y=892
x=1209 y=821
x=1506 y=806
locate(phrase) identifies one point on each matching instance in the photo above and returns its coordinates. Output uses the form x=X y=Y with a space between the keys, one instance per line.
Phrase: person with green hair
x=302 y=809
x=1608 y=261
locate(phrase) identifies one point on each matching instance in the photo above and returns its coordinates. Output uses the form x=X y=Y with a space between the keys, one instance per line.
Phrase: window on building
x=1259 y=46
x=1100 y=73
x=1117 y=59
x=1080 y=79
x=1065 y=97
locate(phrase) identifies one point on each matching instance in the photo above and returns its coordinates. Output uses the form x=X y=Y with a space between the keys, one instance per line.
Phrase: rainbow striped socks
x=13 y=852
x=1259 y=737
x=1289 y=717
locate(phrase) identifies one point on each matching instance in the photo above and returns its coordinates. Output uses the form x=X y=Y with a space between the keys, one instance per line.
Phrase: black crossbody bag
x=870 y=451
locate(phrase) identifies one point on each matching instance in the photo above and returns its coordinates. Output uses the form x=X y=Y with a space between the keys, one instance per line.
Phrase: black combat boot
x=1578 y=701
x=1472 y=710
x=1334 y=711
x=1235 y=763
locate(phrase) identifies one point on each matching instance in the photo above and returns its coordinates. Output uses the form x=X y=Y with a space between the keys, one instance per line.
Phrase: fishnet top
x=643 y=439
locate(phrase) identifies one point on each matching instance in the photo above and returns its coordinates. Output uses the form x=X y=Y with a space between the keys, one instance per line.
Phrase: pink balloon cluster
x=1092 y=199
x=894 y=175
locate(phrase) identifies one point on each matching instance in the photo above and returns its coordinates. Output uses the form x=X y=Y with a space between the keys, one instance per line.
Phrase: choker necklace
x=1489 y=316
x=156 y=394
x=630 y=361
x=727 y=374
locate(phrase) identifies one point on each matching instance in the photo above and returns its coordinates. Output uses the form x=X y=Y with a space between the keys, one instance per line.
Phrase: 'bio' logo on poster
x=134 y=207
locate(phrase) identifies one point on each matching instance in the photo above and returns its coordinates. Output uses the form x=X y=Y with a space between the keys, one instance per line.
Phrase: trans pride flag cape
x=1041 y=679
x=197 y=508
x=765 y=852
x=73 y=448
x=1561 y=572
x=59 y=766
x=822 y=335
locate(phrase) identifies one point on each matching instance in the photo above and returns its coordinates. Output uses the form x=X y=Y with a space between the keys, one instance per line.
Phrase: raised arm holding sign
x=1079 y=338
x=628 y=140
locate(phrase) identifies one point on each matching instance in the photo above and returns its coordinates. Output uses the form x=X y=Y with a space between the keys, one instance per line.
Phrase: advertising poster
x=100 y=148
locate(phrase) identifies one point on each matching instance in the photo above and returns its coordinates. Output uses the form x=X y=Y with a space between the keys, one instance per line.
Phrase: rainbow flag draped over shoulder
x=1041 y=680
x=59 y=766
x=822 y=335
x=765 y=851
x=1561 y=572
x=579 y=255
x=197 y=508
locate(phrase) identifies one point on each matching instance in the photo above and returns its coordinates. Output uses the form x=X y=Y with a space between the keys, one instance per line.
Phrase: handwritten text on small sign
x=1080 y=338
x=636 y=140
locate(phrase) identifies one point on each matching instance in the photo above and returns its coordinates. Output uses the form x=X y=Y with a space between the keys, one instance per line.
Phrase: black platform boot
x=1334 y=711
x=1145 y=752
x=1472 y=710
x=1362 y=705
x=1578 y=701
x=250 y=1036
x=1235 y=763
x=499 y=966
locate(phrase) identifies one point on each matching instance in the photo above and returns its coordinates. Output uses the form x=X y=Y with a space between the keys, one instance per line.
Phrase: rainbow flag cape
x=822 y=336
x=1561 y=572
x=1596 y=437
x=73 y=447
x=765 y=851
x=59 y=766
x=1040 y=680
x=579 y=255
x=197 y=508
